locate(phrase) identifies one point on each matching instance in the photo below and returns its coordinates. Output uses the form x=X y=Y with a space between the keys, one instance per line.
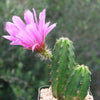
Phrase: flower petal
x=23 y=37
x=45 y=29
x=17 y=42
x=33 y=47
x=50 y=28
x=28 y=16
x=47 y=24
x=42 y=17
x=11 y=38
x=32 y=30
x=18 y=22
x=11 y=28
x=42 y=21
x=35 y=16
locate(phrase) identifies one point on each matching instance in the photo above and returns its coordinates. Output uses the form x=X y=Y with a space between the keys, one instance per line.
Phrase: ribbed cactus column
x=78 y=83
x=62 y=64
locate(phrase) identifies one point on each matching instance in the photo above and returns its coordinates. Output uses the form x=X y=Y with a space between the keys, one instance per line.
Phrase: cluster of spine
x=68 y=80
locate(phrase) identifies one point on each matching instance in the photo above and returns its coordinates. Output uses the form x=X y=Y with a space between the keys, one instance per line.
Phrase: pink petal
x=50 y=28
x=45 y=29
x=35 y=16
x=42 y=17
x=9 y=37
x=17 y=42
x=28 y=16
x=18 y=22
x=47 y=24
x=33 y=47
x=42 y=21
x=13 y=43
x=32 y=30
x=23 y=36
x=11 y=28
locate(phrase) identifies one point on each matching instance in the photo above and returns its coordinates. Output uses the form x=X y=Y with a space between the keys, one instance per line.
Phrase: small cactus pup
x=78 y=83
x=62 y=65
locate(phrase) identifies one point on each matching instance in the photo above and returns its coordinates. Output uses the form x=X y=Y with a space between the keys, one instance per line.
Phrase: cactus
x=78 y=83
x=62 y=64
x=68 y=81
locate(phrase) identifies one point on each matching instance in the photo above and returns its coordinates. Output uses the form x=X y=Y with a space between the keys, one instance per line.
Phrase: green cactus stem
x=78 y=83
x=62 y=64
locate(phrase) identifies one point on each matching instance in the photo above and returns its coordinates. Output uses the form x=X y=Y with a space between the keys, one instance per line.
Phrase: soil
x=46 y=94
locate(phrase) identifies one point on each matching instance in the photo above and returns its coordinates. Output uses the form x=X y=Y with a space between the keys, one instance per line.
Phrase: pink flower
x=31 y=35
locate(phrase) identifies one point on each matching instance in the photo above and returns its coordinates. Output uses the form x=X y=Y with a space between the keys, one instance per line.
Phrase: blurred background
x=23 y=72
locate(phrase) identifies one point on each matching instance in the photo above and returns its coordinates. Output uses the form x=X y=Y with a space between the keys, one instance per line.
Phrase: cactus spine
x=62 y=64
